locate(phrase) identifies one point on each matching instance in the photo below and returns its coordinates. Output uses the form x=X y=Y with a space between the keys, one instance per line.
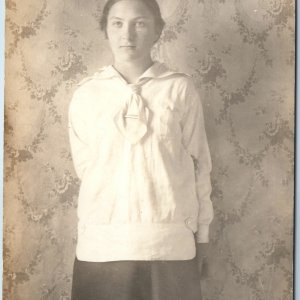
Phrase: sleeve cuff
x=202 y=235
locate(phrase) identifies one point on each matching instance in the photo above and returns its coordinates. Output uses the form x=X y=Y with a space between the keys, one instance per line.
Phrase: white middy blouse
x=141 y=153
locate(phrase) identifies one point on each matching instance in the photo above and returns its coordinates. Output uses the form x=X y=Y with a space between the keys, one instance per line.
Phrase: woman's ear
x=155 y=41
x=157 y=36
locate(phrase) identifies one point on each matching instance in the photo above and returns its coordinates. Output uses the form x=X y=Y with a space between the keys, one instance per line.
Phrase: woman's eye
x=140 y=24
x=117 y=24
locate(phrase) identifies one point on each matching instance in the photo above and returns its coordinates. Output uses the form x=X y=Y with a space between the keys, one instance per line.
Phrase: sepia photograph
x=149 y=150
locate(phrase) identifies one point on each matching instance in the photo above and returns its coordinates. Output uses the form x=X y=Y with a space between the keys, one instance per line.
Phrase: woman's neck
x=132 y=70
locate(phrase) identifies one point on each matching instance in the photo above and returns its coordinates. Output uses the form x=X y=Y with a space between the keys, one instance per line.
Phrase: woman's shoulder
x=163 y=70
x=99 y=74
x=89 y=84
x=85 y=90
x=183 y=79
x=174 y=77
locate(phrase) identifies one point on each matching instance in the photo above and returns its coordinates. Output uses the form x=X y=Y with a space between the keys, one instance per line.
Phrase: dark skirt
x=136 y=280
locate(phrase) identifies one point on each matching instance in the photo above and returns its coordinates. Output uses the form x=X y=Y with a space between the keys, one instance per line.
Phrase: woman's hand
x=201 y=257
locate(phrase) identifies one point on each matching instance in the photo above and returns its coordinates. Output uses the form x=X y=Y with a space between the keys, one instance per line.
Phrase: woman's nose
x=128 y=32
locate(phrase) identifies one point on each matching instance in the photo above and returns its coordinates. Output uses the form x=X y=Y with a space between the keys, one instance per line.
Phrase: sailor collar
x=157 y=70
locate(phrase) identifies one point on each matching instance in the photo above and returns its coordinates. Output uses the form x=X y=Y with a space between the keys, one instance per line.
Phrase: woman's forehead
x=130 y=9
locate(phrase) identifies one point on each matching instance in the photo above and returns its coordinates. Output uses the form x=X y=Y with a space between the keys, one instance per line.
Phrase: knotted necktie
x=132 y=119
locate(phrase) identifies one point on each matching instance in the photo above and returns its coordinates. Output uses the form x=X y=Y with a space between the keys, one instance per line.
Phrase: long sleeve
x=195 y=141
x=78 y=136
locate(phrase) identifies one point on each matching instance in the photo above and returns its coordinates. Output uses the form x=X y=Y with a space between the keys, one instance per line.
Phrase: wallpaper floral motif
x=241 y=56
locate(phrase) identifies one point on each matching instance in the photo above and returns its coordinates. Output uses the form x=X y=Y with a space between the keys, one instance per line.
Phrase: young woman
x=139 y=147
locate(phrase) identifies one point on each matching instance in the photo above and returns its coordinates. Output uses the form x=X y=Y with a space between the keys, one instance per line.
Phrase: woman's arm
x=78 y=135
x=195 y=141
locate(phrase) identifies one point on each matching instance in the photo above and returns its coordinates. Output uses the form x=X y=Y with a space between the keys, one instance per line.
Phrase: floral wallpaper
x=241 y=56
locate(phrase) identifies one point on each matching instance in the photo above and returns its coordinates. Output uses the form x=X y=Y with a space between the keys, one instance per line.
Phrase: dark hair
x=151 y=4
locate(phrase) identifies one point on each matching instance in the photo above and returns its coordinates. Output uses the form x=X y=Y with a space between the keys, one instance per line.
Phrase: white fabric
x=145 y=190
x=132 y=120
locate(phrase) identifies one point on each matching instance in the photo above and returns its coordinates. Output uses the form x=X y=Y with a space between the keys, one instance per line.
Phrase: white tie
x=132 y=119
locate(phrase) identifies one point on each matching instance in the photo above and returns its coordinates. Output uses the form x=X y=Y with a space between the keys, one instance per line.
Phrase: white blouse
x=141 y=153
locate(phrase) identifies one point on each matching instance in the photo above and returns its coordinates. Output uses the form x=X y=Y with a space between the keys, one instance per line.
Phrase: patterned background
x=241 y=55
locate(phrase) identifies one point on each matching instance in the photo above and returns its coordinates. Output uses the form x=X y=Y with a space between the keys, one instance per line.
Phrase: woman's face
x=131 y=30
